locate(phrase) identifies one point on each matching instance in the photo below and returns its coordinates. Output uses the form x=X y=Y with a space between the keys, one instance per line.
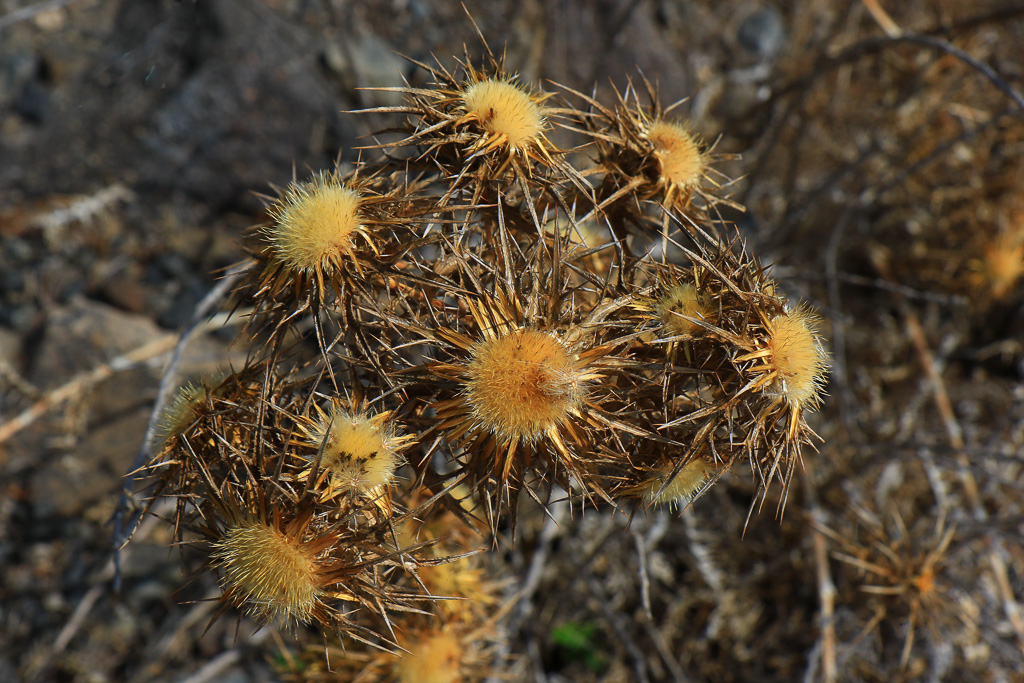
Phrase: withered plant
x=459 y=322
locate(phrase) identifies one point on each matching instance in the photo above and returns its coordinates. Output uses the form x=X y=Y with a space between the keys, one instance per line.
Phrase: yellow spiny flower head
x=273 y=575
x=477 y=123
x=330 y=233
x=506 y=111
x=643 y=155
x=796 y=358
x=318 y=231
x=358 y=451
x=518 y=397
x=433 y=656
x=522 y=384
x=676 y=304
x=792 y=365
x=315 y=225
x=188 y=404
x=676 y=489
x=682 y=163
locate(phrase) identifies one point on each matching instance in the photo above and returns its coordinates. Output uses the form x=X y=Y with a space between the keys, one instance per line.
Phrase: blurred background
x=880 y=166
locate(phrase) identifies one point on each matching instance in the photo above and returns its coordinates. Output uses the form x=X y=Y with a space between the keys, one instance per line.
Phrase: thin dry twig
x=826 y=587
x=85 y=381
x=882 y=18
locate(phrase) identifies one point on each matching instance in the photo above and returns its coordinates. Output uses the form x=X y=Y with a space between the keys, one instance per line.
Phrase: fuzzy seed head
x=271 y=575
x=360 y=451
x=434 y=658
x=678 y=301
x=680 y=490
x=314 y=224
x=679 y=156
x=522 y=384
x=505 y=110
x=797 y=357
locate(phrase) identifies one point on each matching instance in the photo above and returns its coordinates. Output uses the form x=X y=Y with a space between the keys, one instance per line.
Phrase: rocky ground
x=881 y=174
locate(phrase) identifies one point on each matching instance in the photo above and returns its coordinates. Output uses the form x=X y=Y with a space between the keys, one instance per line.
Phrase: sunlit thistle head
x=677 y=304
x=315 y=225
x=681 y=162
x=359 y=451
x=1003 y=265
x=269 y=574
x=506 y=111
x=186 y=406
x=796 y=358
x=433 y=657
x=682 y=487
x=523 y=384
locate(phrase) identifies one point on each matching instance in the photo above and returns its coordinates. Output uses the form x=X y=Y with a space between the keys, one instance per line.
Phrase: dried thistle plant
x=445 y=334
x=901 y=569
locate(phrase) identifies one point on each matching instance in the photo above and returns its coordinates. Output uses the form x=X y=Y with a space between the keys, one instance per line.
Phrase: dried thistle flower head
x=523 y=384
x=450 y=567
x=358 y=451
x=476 y=124
x=331 y=233
x=681 y=162
x=676 y=304
x=434 y=656
x=518 y=399
x=676 y=489
x=643 y=156
x=271 y=573
x=187 y=405
x=795 y=360
x=902 y=569
x=506 y=111
x=1002 y=263
x=316 y=226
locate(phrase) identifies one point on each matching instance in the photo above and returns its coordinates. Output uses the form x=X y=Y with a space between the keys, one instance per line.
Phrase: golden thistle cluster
x=474 y=317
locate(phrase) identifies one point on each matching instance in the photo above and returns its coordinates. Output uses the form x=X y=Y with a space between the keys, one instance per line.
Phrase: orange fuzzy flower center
x=505 y=110
x=523 y=384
